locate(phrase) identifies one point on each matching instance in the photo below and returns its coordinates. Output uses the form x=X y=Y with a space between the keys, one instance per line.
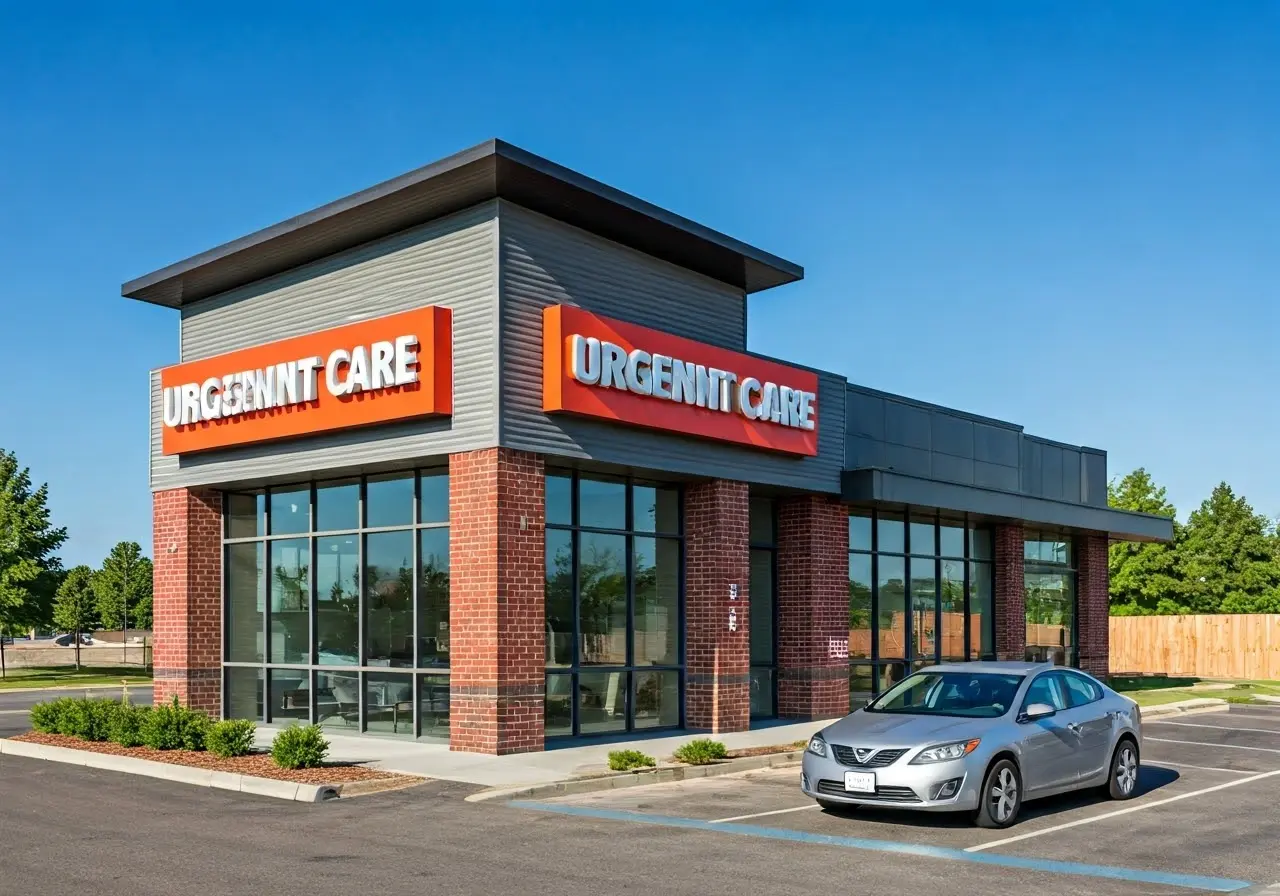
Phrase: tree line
x=1224 y=559
x=36 y=592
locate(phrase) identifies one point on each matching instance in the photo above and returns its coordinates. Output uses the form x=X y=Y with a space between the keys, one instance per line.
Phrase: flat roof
x=493 y=169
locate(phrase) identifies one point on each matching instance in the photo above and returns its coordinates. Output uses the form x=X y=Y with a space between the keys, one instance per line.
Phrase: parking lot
x=1204 y=820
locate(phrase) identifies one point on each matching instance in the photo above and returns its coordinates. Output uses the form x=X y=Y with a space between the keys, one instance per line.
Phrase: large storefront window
x=1050 y=580
x=920 y=592
x=337 y=604
x=614 y=605
x=763 y=594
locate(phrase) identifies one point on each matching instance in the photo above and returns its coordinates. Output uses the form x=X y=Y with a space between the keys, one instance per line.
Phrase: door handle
x=1073 y=727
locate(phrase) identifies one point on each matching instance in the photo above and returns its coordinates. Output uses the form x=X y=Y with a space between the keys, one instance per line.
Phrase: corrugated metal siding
x=544 y=262
x=451 y=262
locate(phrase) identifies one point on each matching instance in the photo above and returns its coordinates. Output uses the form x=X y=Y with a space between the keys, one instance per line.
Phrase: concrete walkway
x=437 y=761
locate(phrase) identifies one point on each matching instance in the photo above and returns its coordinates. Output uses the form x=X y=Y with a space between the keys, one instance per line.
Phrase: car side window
x=1080 y=690
x=1045 y=689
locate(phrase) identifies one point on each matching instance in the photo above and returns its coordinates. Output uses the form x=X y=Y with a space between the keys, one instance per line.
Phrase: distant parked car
x=70 y=639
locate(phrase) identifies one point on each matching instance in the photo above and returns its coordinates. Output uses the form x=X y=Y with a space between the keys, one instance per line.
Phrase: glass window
x=602 y=503
x=982 y=637
x=762 y=688
x=951 y=604
x=951 y=539
x=1080 y=690
x=889 y=534
x=246 y=515
x=657 y=699
x=388 y=595
x=979 y=695
x=558 y=712
x=656 y=509
x=862 y=684
x=338 y=700
x=1045 y=689
x=602 y=599
x=246 y=599
x=433 y=597
x=433 y=496
x=923 y=536
x=388 y=501
x=290 y=691
x=602 y=702
x=243 y=692
x=559 y=598
x=338 y=505
x=290 y=511
x=860 y=605
x=656 y=577
x=559 y=500
x=980 y=544
x=1050 y=604
x=388 y=703
x=760 y=592
x=338 y=600
x=924 y=605
x=433 y=706
x=761 y=516
x=859 y=532
x=290 y=562
x=891 y=613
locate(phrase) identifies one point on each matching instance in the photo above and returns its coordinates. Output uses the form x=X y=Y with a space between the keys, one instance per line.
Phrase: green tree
x=1226 y=559
x=124 y=583
x=29 y=567
x=75 y=609
x=1144 y=576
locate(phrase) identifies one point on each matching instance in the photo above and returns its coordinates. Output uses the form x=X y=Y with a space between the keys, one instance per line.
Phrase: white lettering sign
x=382 y=365
x=595 y=362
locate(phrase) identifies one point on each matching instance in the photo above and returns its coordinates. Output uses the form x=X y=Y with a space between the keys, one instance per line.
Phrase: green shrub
x=701 y=752
x=174 y=727
x=299 y=746
x=234 y=737
x=626 y=760
x=126 y=724
x=46 y=717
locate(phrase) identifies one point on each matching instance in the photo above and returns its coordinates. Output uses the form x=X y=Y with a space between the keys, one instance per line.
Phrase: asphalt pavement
x=14 y=705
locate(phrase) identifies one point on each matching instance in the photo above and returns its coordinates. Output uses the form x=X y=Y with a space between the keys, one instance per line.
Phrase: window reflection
x=246 y=599
x=892 y=606
x=559 y=598
x=602 y=503
x=388 y=501
x=602 y=590
x=860 y=605
x=290 y=511
x=951 y=604
x=338 y=505
x=338 y=600
x=388 y=593
x=290 y=562
x=433 y=597
x=656 y=576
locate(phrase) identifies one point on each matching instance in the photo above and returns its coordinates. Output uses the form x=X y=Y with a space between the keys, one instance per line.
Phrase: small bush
x=626 y=760
x=174 y=727
x=299 y=746
x=233 y=737
x=126 y=724
x=701 y=752
x=46 y=717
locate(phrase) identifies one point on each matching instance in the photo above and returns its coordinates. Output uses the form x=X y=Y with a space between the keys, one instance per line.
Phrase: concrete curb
x=664 y=775
x=77 y=687
x=183 y=774
x=1266 y=698
x=1194 y=706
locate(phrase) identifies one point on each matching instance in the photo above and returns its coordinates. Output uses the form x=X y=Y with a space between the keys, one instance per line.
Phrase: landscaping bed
x=258 y=765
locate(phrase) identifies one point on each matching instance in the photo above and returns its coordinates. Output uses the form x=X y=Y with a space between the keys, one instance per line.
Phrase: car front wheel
x=1123 y=783
x=1001 y=796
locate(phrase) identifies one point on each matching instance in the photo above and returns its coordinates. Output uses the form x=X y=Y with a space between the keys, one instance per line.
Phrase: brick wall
x=1010 y=596
x=497 y=652
x=717 y=660
x=813 y=607
x=187 y=599
x=1093 y=608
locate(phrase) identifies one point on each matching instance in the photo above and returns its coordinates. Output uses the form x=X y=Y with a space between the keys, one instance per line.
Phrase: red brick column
x=813 y=607
x=497 y=636
x=717 y=660
x=187 y=597
x=1011 y=594
x=1093 y=604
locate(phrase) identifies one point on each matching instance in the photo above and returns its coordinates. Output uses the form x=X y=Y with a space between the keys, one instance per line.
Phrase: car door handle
x=1073 y=727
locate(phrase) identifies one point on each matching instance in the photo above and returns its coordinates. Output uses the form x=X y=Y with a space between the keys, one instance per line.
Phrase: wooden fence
x=1225 y=646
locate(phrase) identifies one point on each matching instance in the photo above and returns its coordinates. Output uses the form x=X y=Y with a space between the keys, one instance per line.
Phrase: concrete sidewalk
x=433 y=760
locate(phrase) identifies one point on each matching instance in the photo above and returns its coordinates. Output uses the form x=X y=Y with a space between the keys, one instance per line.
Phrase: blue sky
x=1061 y=214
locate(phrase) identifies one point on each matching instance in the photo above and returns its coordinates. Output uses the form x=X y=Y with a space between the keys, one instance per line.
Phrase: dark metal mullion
x=681 y=674
x=264 y=686
x=360 y=609
x=875 y=603
x=312 y=610
x=968 y=621
x=576 y=627
x=629 y=540
x=416 y=554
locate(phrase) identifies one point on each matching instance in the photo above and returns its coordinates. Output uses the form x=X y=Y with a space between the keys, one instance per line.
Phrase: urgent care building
x=479 y=455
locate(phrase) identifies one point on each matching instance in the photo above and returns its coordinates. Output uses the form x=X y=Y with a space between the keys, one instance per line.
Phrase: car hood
x=872 y=729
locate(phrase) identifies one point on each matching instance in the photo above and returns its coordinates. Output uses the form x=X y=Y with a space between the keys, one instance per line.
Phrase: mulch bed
x=259 y=765
x=764 y=751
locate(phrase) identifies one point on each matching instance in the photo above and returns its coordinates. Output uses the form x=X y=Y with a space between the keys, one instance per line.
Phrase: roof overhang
x=493 y=169
x=891 y=487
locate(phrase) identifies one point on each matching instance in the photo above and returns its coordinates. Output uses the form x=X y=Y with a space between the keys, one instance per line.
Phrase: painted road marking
x=1216 y=727
x=1049 y=866
x=1202 y=768
x=1131 y=809
x=1200 y=743
x=763 y=814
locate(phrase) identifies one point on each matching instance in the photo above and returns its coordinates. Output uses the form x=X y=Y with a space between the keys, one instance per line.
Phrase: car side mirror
x=1038 y=711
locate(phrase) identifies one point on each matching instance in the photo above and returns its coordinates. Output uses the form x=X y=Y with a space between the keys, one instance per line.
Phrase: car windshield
x=979 y=695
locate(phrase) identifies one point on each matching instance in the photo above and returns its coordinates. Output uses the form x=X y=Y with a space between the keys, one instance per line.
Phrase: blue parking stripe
x=1190 y=881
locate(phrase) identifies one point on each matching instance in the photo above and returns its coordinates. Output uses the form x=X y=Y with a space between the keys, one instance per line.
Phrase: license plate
x=860 y=782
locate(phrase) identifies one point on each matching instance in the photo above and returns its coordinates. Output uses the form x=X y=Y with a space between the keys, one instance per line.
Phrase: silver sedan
x=979 y=738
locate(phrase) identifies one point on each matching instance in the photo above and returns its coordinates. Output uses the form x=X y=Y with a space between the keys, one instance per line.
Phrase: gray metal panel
x=952 y=469
x=915 y=461
x=1071 y=476
x=865 y=414
x=1094 y=483
x=545 y=262
x=1051 y=473
x=996 y=445
x=906 y=425
x=995 y=476
x=863 y=452
x=952 y=435
x=451 y=262
x=1030 y=467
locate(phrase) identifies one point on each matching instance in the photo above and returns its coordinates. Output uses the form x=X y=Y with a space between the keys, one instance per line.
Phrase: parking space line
x=1160 y=763
x=1217 y=727
x=1047 y=866
x=1200 y=743
x=1118 y=812
x=763 y=814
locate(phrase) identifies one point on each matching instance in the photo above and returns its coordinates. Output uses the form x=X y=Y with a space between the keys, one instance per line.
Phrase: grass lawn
x=67 y=676
x=1154 y=691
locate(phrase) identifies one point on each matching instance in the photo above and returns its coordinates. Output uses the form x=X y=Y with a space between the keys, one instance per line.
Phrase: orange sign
x=375 y=371
x=594 y=366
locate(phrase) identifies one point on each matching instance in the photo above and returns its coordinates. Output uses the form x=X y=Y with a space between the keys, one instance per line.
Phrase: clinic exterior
x=479 y=455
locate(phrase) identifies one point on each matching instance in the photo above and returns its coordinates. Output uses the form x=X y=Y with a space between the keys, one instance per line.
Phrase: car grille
x=845 y=756
x=887 y=794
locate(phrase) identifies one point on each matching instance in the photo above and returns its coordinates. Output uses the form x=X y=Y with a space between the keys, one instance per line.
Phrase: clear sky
x=1064 y=214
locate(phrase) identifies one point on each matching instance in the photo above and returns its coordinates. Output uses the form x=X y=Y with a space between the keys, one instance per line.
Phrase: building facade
x=480 y=455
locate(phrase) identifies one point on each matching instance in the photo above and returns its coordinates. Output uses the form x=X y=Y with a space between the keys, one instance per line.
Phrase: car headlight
x=944 y=752
x=817 y=746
